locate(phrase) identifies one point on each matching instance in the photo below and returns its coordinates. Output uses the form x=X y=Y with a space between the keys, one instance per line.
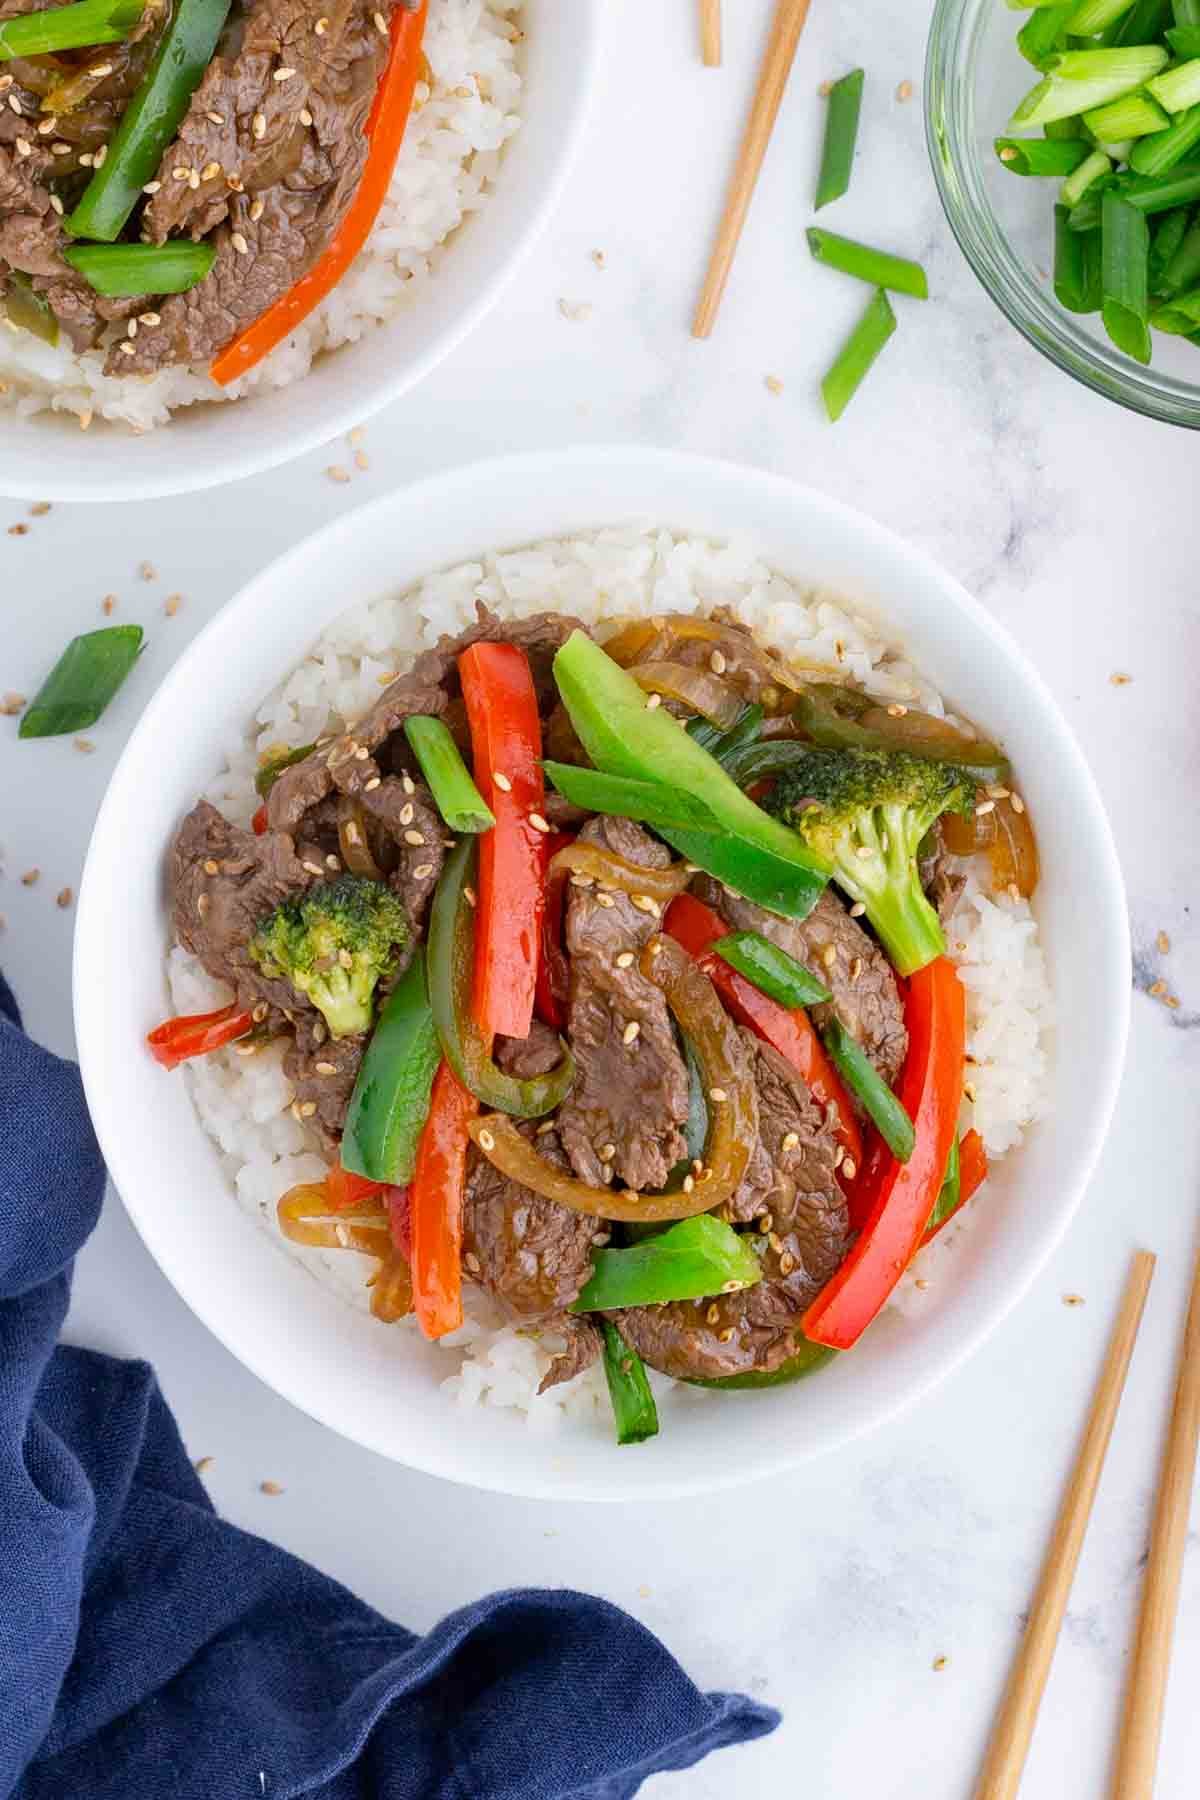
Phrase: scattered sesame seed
x=210 y=171
x=1157 y=989
x=1164 y=944
x=283 y=74
x=849 y=1168
x=829 y=956
x=380 y=24
x=469 y=896
x=646 y=903
x=538 y=822
x=239 y=243
x=18 y=530
x=631 y=1032
x=582 y=881
x=717 y=663
x=30 y=877
x=150 y=318
x=215 y=118
x=985 y=806
x=726 y=1336
x=408 y=784
x=416 y=838
x=772 y=384
x=939 y=1663
x=689 y=1182
x=100 y=156
x=131 y=328
x=59 y=149
x=486 y=1141
x=84 y=745
x=422 y=871
x=1118 y=678
x=825 y=89
x=180 y=174
x=787 y=1263
x=370 y=786
x=790 y=1140
x=1073 y=1300
x=314 y=868
x=361 y=460
x=904 y=91
x=856 y=968
x=1018 y=805
x=718 y=1094
x=103 y=70
x=270 y=1487
x=202 y=1463
x=260 y=1012
x=308 y=1109
x=64 y=897
x=472 y=1262
x=605 y=900
x=107 y=604
x=147 y=571
x=606 y=1152
x=865 y=853
x=1008 y=154
x=653 y=700
x=336 y=472
x=321 y=27
x=1172 y=1002
x=14 y=105
x=502 y=782
x=152 y=187
x=258 y=125
x=12 y=704
x=257 y=209
x=625 y=960
x=306 y=117
x=713 y=1314
x=24 y=147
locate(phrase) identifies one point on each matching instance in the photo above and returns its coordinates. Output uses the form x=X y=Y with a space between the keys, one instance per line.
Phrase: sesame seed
x=59 y=149
x=314 y=868
x=150 y=318
x=258 y=125
x=469 y=896
x=210 y=171
x=849 y=1168
x=236 y=183
x=726 y=1336
x=689 y=1182
x=100 y=156
x=370 y=786
x=56 y=205
x=257 y=209
x=1119 y=679
x=361 y=460
x=631 y=1032
x=107 y=605
x=1014 y=892
x=1073 y=1300
x=653 y=700
x=856 y=968
x=321 y=27
x=308 y=1109
x=633 y=1195
x=775 y=1241
x=336 y=472
x=713 y=1314
x=787 y=1263
x=422 y=871
x=502 y=782
x=202 y=905
x=486 y=1141
x=131 y=329
x=11 y=705
x=1157 y=989
x=24 y=147
x=604 y=900
x=904 y=91
x=380 y=24
x=697 y=1165
x=408 y=784
x=985 y=806
x=646 y=903
x=414 y=837
x=332 y=862
x=1018 y=805
x=939 y=1663
x=14 y=105
x=260 y=1012
x=283 y=74
x=306 y=117
x=472 y=1262
x=1164 y=943
x=270 y=1487
x=538 y=822
x=239 y=243
x=625 y=960
x=215 y=118
x=202 y=1463
x=583 y=881
x=103 y=70
x=152 y=187
x=772 y=384
x=718 y=1094
x=181 y=173
x=47 y=126
x=20 y=528
x=717 y=663
x=606 y=1152
x=64 y=897
x=829 y=955
x=790 y=1140
x=865 y=853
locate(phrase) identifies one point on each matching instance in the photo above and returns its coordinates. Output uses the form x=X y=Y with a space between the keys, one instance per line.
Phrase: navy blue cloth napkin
x=150 y=1651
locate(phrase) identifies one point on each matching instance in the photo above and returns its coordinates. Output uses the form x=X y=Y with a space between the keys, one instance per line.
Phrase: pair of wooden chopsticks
x=1137 y=1749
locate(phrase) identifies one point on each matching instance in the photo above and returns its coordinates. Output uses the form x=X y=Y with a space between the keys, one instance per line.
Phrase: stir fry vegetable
x=506 y=737
x=841 y=135
x=965 y=1174
x=805 y=1362
x=725 y=744
x=877 y=267
x=553 y=971
x=73 y=27
x=611 y=870
x=1043 y=156
x=82 y=682
x=391 y=1095
x=879 y=1102
x=707 y=694
x=384 y=131
x=272 y=767
x=857 y=355
x=335 y=942
x=845 y=718
x=195 y=1034
x=131 y=269
x=26 y=308
x=436 y=1196
x=1077 y=80
x=770 y=969
x=1124 y=284
x=451 y=951
x=689 y=1261
x=1002 y=830
x=627 y=797
x=346 y=1189
x=634 y=1412
x=150 y=120
x=893 y=1201
x=623 y=736
x=455 y=794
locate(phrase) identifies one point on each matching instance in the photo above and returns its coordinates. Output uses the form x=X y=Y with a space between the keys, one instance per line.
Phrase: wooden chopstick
x=1141 y=1724
x=777 y=63
x=1017 y=1717
x=710 y=33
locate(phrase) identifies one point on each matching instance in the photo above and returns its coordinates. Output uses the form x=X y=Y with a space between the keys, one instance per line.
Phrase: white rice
x=629 y=571
x=462 y=119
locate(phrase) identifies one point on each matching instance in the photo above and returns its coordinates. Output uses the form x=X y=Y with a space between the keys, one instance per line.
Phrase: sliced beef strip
x=941 y=881
x=802 y=1238
x=629 y=1100
x=529 y=1252
x=404 y=810
x=528 y=1057
x=223 y=880
x=582 y=1347
x=323 y=1071
x=866 y=997
x=429 y=687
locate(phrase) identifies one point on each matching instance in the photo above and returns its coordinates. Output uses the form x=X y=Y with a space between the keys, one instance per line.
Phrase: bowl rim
x=282 y=446
x=1036 y=315
x=1111 y=965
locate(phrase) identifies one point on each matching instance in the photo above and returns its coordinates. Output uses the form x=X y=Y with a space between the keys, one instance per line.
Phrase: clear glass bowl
x=1004 y=223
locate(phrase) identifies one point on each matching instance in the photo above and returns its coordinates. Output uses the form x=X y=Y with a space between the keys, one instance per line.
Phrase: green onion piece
x=1168 y=233
x=693 y=1260
x=881 y=1105
x=1076 y=266
x=1091 y=16
x=1178 y=88
x=634 y=1412
x=1086 y=215
x=877 y=266
x=1185 y=40
x=627 y=797
x=268 y=773
x=1078 y=80
x=1043 y=156
x=82 y=681
x=1173 y=320
x=1121 y=121
x=1159 y=193
x=1063 y=131
x=1119 y=153
x=1034 y=6
x=1187 y=12
x=841 y=134
x=857 y=355
x=1144 y=23
x=117 y=270
x=777 y=974
x=1157 y=154
x=1124 y=279
x=950 y=1195
x=150 y=120
x=74 y=27
x=1187 y=307
x=1044 y=34
x=1183 y=271
x=455 y=794
x=722 y=744
x=1093 y=168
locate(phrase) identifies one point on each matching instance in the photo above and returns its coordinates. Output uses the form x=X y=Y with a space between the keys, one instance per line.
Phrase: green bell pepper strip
x=754 y=854
x=269 y=772
x=634 y=1412
x=690 y=1261
x=881 y=1105
x=950 y=1197
x=75 y=27
x=451 y=953
x=649 y=802
x=150 y=121
x=770 y=969
x=127 y=270
x=26 y=308
x=82 y=681
x=390 y=1102
x=844 y=718
x=805 y=1362
x=457 y=798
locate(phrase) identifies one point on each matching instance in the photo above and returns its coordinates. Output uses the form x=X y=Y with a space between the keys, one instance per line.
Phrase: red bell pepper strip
x=972 y=1173
x=436 y=1205
x=195 y=1034
x=697 y=927
x=384 y=131
x=895 y=1199
x=259 y=821
x=550 y=991
x=344 y=1188
x=506 y=737
x=399 y=1211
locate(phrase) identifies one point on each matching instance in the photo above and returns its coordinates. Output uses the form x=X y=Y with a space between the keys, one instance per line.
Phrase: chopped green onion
x=1091 y=16
x=1168 y=233
x=857 y=355
x=1042 y=156
x=634 y=1412
x=75 y=27
x=82 y=681
x=1187 y=12
x=1119 y=152
x=1183 y=270
x=117 y=270
x=455 y=794
x=950 y=1194
x=1093 y=168
x=1157 y=154
x=1145 y=23
x=1159 y=193
x=1076 y=266
x=1178 y=88
x=1185 y=40
x=1126 y=250
x=693 y=1260
x=1085 y=216
x=1063 y=130
x=771 y=969
x=1179 y=318
x=1121 y=121
x=1078 y=80
x=881 y=1105
x=1043 y=35
x=877 y=266
x=628 y=797
x=841 y=133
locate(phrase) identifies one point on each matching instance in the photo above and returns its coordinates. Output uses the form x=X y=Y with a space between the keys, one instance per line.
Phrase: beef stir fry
x=182 y=181
x=614 y=983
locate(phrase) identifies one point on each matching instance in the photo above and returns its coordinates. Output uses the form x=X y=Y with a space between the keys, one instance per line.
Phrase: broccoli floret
x=334 y=943
x=863 y=813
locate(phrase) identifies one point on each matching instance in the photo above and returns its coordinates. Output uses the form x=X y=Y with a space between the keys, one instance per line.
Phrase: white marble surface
x=833 y=1593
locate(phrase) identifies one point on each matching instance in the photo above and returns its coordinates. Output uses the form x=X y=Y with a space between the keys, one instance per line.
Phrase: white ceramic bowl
x=375 y=1385
x=49 y=457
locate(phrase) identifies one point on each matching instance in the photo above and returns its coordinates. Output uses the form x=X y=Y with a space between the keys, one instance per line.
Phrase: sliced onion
x=1008 y=838
x=698 y=689
x=353 y=841
x=305 y=1217
x=611 y=870
x=391 y=1289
